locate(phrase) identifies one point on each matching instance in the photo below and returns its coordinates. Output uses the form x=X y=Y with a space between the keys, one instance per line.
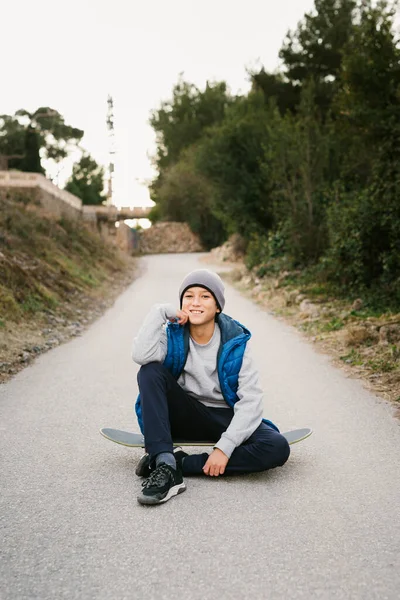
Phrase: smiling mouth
x=196 y=312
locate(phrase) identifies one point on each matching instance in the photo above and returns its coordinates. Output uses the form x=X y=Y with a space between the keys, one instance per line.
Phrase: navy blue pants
x=169 y=413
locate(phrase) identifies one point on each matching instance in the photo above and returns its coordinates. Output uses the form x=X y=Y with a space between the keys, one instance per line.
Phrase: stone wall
x=56 y=202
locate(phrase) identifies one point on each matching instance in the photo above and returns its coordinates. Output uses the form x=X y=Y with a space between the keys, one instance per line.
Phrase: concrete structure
x=113 y=213
x=127 y=239
x=55 y=201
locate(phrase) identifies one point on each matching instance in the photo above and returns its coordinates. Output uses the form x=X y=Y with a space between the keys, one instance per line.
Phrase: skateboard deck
x=136 y=440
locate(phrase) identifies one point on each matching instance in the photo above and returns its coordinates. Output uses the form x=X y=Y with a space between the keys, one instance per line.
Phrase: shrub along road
x=326 y=525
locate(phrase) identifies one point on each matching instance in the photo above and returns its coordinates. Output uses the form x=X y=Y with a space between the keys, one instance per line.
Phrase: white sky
x=71 y=55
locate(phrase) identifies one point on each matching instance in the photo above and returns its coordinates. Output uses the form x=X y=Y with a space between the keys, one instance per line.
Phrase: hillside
x=56 y=276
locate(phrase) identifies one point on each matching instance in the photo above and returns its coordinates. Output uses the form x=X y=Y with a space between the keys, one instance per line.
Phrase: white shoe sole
x=174 y=491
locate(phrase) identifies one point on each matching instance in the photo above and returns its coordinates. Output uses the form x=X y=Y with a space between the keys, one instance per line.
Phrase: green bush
x=267 y=252
x=364 y=253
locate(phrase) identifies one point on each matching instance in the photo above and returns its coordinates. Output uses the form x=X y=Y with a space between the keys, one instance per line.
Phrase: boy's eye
x=190 y=296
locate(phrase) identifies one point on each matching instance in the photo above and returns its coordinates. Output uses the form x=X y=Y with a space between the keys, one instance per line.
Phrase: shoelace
x=157 y=476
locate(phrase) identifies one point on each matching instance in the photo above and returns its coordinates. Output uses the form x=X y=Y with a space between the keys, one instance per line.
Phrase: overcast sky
x=71 y=55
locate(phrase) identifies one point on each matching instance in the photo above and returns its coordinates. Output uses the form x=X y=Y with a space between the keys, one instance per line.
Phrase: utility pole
x=111 y=141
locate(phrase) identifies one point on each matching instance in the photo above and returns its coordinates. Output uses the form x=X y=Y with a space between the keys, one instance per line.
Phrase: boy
x=197 y=382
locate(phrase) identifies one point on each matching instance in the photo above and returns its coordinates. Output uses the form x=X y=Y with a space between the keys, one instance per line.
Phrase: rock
x=354 y=335
x=256 y=290
x=60 y=320
x=290 y=297
x=357 y=304
x=237 y=274
x=24 y=357
x=52 y=342
x=369 y=351
x=169 y=237
x=231 y=251
x=282 y=276
x=389 y=334
x=309 y=309
x=261 y=296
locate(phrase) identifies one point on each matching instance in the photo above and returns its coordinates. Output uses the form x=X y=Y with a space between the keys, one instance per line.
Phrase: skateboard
x=136 y=440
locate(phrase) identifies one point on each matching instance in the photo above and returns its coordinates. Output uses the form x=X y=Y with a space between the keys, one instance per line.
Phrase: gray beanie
x=205 y=279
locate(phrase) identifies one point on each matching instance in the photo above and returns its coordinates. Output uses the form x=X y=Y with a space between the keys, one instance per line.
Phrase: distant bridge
x=113 y=213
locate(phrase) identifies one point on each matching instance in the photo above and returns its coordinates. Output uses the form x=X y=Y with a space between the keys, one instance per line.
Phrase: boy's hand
x=216 y=463
x=182 y=317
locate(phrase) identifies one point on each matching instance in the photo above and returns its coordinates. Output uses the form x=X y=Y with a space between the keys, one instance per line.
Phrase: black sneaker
x=144 y=468
x=163 y=483
x=179 y=456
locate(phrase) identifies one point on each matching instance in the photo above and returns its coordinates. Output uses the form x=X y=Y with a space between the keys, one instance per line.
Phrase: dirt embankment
x=365 y=343
x=56 y=277
x=168 y=237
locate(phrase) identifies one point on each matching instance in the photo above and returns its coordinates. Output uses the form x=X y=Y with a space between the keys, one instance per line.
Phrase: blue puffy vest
x=234 y=338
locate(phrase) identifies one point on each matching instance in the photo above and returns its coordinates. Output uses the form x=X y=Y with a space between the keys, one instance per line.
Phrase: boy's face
x=200 y=304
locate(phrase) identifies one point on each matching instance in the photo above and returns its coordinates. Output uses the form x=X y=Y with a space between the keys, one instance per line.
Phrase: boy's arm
x=150 y=344
x=248 y=410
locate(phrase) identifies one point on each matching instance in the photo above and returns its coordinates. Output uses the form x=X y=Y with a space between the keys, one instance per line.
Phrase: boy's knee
x=276 y=453
x=150 y=370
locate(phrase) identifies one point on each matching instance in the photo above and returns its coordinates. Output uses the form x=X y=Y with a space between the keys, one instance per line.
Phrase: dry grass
x=52 y=272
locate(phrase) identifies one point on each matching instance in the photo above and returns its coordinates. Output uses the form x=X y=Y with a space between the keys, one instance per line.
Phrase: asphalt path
x=324 y=526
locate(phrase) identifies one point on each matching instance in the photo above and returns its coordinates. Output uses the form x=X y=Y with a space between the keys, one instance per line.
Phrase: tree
x=298 y=164
x=26 y=137
x=314 y=50
x=369 y=97
x=275 y=87
x=180 y=122
x=87 y=181
x=186 y=195
x=230 y=156
x=179 y=190
x=364 y=222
